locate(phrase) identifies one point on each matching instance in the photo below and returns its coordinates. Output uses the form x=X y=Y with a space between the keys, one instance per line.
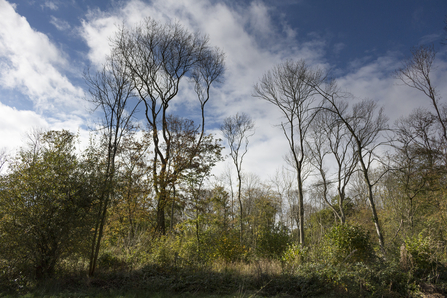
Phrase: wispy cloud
x=60 y=25
x=50 y=4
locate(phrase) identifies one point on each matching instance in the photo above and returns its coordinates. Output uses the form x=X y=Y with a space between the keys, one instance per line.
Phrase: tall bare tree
x=286 y=87
x=416 y=73
x=330 y=138
x=158 y=58
x=236 y=130
x=366 y=123
x=111 y=91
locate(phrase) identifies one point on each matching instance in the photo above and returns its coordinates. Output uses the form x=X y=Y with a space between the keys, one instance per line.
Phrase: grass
x=260 y=278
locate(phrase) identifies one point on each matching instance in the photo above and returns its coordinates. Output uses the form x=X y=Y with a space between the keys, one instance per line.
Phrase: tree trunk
x=372 y=204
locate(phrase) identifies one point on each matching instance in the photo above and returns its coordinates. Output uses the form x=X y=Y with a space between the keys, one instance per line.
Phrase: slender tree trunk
x=301 y=208
x=97 y=245
x=172 y=208
x=372 y=204
x=102 y=213
x=239 y=190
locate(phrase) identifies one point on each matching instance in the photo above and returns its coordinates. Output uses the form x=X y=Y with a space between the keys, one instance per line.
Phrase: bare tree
x=421 y=138
x=236 y=130
x=284 y=183
x=365 y=122
x=286 y=86
x=158 y=58
x=329 y=137
x=416 y=73
x=111 y=92
x=417 y=163
x=3 y=158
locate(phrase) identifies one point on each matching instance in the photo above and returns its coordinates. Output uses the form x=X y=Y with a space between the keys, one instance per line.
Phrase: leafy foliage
x=347 y=243
x=44 y=205
x=273 y=242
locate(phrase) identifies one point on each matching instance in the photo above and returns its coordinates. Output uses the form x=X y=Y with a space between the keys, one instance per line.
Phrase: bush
x=273 y=242
x=422 y=254
x=109 y=261
x=164 y=251
x=294 y=256
x=228 y=247
x=346 y=243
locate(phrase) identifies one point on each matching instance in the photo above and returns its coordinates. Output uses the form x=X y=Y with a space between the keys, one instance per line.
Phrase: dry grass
x=254 y=268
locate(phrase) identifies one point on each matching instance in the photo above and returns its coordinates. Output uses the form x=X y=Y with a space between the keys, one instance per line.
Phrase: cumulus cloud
x=252 y=44
x=15 y=124
x=31 y=69
x=31 y=63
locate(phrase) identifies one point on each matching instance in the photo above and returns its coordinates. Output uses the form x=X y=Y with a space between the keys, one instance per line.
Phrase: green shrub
x=228 y=247
x=109 y=261
x=423 y=255
x=294 y=256
x=273 y=242
x=347 y=243
x=164 y=251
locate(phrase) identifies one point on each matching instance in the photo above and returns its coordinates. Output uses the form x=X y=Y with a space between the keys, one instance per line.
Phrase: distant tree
x=3 y=158
x=236 y=130
x=130 y=211
x=417 y=171
x=286 y=87
x=284 y=185
x=189 y=163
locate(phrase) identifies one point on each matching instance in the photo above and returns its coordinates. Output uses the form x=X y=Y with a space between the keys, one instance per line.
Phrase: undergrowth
x=261 y=278
x=343 y=265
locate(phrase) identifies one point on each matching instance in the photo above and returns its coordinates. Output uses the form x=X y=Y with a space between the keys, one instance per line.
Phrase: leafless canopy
x=236 y=130
x=158 y=56
x=416 y=73
x=290 y=87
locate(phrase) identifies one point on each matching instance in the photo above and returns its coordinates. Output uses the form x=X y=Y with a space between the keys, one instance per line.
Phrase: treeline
x=356 y=188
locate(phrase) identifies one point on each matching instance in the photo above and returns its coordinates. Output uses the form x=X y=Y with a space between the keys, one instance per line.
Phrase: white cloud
x=374 y=79
x=50 y=4
x=15 y=124
x=31 y=68
x=60 y=25
x=252 y=44
x=30 y=63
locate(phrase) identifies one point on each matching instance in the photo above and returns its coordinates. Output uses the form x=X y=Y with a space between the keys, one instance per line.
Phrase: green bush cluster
x=294 y=256
x=347 y=243
x=273 y=242
x=423 y=254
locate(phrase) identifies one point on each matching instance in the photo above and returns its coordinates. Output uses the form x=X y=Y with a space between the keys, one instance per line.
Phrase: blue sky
x=46 y=45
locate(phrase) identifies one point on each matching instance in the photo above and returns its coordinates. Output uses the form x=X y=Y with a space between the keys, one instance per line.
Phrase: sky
x=46 y=45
